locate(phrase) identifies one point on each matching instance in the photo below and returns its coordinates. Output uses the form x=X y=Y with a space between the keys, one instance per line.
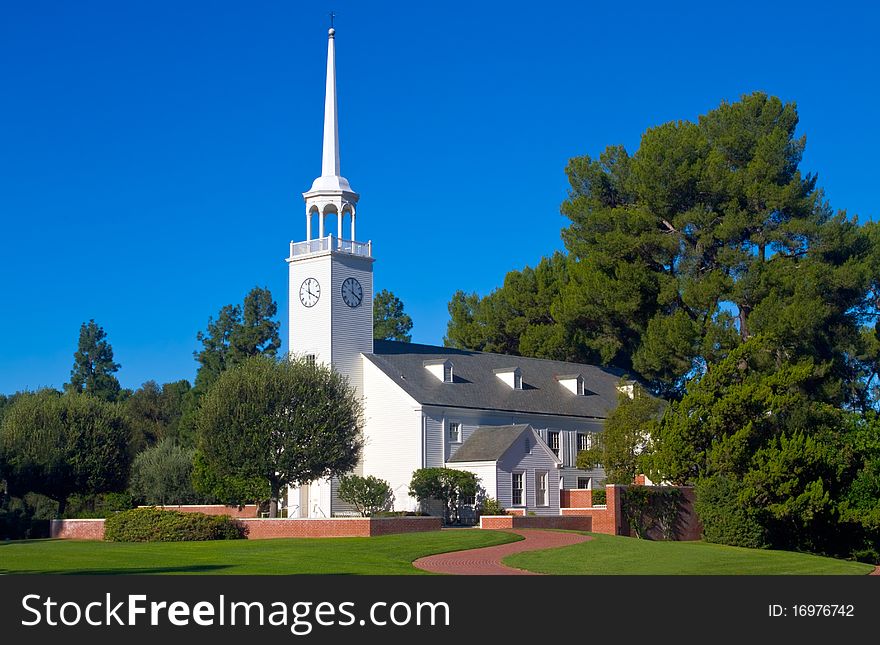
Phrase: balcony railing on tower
x=331 y=243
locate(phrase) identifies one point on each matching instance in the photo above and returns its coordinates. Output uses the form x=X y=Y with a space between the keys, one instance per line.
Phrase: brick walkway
x=487 y=561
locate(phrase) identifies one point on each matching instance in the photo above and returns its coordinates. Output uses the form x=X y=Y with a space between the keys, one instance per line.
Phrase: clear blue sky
x=153 y=154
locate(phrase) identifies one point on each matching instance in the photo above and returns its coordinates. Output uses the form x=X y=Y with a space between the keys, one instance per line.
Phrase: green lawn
x=607 y=554
x=388 y=554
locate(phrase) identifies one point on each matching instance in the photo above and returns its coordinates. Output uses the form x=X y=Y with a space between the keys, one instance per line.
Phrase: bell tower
x=331 y=274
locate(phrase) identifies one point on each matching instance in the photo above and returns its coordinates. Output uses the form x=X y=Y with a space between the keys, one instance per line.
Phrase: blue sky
x=153 y=154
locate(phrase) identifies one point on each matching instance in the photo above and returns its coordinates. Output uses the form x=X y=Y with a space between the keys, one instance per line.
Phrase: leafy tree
x=389 y=320
x=93 y=366
x=627 y=433
x=162 y=474
x=367 y=494
x=445 y=485
x=240 y=331
x=155 y=412
x=265 y=424
x=60 y=445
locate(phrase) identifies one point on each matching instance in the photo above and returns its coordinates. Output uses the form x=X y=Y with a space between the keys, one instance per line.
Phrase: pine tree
x=389 y=320
x=93 y=365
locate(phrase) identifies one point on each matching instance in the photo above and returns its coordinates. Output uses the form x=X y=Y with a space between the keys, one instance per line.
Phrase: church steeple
x=330 y=160
x=330 y=194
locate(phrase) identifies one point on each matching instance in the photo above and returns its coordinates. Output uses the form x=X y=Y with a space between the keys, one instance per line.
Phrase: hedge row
x=157 y=525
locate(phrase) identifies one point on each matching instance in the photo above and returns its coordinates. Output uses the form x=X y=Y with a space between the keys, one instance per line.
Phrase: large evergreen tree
x=516 y=318
x=93 y=366
x=706 y=235
x=238 y=332
x=390 y=322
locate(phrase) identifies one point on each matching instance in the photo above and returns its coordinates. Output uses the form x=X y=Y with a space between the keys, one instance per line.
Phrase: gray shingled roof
x=488 y=443
x=477 y=386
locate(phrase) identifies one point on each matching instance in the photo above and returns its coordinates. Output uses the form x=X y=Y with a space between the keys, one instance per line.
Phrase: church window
x=584 y=483
x=541 y=489
x=553 y=442
x=585 y=441
x=454 y=431
x=517 y=489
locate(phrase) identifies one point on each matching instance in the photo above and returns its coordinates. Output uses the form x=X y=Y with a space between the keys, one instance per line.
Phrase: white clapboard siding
x=352 y=328
x=392 y=434
x=310 y=327
x=528 y=462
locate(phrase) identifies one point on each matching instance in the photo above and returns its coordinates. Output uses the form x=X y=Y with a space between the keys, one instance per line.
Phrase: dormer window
x=441 y=368
x=574 y=383
x=512 y=376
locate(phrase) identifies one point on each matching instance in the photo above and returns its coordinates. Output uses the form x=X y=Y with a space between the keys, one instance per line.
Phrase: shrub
x=20 y=520
x=367 y=494
x=162 y=474
x=446 y=485
x=725 y=519
x=156 y=525
x=651 y=509
x=491 y=506
x=599 y=497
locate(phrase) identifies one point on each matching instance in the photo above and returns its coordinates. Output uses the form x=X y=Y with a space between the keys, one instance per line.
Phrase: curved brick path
x=487 y=560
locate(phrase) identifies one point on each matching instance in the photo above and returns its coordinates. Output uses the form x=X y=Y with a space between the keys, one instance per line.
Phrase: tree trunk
x=744 y=311
x=62 y=506
x=273 y=500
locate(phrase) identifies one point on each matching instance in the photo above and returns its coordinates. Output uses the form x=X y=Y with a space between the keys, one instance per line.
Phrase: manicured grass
x=612 y=555
x=388 y=554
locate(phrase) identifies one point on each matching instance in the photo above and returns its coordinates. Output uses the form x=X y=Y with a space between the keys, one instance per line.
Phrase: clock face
x=352 y=292
x=309 y=292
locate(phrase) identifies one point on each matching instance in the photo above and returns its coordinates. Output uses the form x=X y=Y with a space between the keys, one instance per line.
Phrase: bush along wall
x=156 y=525
x=651 y=512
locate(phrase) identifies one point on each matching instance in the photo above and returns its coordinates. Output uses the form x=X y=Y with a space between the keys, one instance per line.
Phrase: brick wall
x=496 y=521
x=575 y=498
x=249 y=510
x=610 y=519
x=261 y=529
x=687 y=525
x=264 y=528
x=77 y=529
x=568 y=523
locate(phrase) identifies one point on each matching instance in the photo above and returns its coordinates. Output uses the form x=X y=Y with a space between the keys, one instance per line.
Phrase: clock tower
x=330 y=273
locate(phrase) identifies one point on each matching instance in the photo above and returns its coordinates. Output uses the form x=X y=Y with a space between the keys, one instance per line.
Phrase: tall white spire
x=331 y=179
x=330 y=160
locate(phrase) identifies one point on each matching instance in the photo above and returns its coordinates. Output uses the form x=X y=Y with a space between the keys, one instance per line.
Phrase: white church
x=516 y=422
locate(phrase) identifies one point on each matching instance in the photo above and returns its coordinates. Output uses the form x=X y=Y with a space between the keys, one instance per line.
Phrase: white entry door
x=315 y=500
